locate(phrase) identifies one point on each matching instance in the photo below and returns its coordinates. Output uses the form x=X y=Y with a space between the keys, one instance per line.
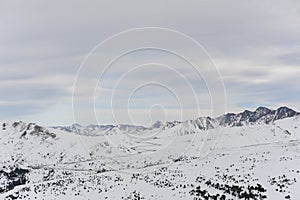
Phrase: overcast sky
x=255 y=45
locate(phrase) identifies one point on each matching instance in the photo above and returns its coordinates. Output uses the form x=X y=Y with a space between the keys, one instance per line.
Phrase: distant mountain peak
x=262 y=109
x=157 y=124
x=260 y=115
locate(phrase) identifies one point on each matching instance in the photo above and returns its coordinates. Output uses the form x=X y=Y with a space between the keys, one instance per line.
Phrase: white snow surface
x=196 y=159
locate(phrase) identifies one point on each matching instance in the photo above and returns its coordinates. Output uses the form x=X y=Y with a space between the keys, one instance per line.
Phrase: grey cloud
x=14 y=112
x=255 y=44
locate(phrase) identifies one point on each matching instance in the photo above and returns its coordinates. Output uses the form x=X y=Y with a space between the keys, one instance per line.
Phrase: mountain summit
x=260 y=115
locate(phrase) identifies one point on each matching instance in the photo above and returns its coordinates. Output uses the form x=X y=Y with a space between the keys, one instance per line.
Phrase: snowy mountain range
x=248 y=155
x=260 y=115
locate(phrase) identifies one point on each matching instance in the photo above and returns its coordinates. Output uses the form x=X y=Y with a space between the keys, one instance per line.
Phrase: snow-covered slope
x=252 y=155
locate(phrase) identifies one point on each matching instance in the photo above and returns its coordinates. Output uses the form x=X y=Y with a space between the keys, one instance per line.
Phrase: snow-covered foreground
x=198 y=159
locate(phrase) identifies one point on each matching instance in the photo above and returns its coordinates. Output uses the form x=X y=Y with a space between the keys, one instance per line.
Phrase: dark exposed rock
x=13 y=178
x=260 y=115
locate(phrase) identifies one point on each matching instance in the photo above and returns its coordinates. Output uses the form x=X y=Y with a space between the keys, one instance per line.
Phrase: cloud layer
x=256 y=46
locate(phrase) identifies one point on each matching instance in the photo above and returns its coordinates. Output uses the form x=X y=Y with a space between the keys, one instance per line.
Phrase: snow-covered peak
x=260 y=115
x=164 y=125
x=157 y=124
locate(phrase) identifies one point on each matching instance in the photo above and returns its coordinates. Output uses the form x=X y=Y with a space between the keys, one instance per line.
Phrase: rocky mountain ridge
x=261 y=115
